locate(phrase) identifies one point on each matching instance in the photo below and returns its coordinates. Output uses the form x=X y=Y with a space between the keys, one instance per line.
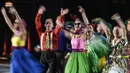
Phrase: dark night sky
x=27 y=9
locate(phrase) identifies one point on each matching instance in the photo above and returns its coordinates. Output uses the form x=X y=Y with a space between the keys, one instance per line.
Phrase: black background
x=27 y=9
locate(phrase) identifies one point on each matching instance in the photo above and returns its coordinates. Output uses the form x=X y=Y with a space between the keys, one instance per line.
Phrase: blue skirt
x=23 y=62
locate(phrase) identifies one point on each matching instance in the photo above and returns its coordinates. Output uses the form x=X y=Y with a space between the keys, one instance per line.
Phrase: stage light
x=8 y=4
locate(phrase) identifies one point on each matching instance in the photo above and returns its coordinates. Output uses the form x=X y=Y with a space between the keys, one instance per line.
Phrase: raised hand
x=64 y=11
x=60 y=19
x=81 y=9
x=3 y=10
x=42 y=9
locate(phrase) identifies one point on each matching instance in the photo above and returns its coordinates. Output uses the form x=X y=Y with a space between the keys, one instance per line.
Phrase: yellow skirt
x=102 y=62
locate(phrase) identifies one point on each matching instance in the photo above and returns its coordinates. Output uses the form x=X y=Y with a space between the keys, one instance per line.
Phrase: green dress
x=78 y=60
x=98 y=48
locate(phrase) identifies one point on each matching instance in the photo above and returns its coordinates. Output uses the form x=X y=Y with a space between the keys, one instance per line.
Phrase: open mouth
x=89 y=30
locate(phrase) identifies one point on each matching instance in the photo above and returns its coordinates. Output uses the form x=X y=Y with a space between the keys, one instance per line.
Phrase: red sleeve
x=38 y=24
x=59 y=26
x=57 y=30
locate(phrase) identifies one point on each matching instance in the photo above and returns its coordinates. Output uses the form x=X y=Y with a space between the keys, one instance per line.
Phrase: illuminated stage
x=4 y=68
x=4 y=65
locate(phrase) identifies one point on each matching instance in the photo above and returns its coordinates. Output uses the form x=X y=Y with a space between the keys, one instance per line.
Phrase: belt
x=17 y=47
x=48 y=50
x=78 y=50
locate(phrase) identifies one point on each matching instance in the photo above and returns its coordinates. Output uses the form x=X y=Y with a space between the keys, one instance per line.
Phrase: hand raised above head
x=64 y=11
x=3 y=10
x=81 y=9
x=41 y=9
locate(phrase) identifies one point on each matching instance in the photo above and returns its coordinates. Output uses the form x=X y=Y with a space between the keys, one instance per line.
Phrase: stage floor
x=4 y=68
x=4 y=65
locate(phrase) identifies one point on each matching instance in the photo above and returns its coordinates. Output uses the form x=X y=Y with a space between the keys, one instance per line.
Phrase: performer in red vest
x=49 y=38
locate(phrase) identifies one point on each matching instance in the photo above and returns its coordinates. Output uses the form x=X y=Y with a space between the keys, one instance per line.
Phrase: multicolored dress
x=22 y=61
x=118 y=61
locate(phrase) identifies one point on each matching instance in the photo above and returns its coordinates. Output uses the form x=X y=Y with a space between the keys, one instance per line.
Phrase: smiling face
x=89 y=28
x=49 y=24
